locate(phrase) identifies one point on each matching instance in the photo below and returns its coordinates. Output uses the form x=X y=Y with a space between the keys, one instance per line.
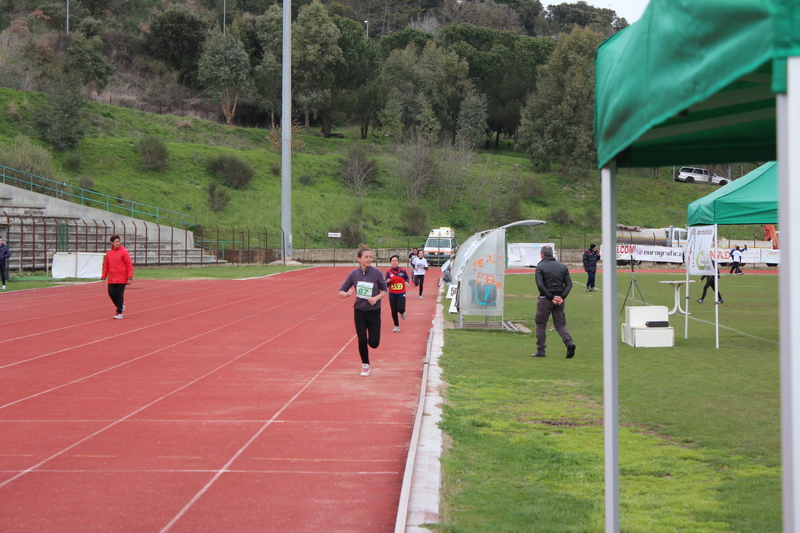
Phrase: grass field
x=699 y=435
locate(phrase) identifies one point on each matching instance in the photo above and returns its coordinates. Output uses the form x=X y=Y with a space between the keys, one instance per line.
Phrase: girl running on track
x=396 y=279
x=420 y=266
x=369 y=287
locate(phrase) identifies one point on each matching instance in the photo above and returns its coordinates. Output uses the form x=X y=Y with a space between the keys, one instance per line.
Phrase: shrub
x=22 y=154
x=506 y=209
x=592 y=217
x=73 y=162
x=561 y=215
x=358 y=172
x=352 y=230
x=232 y=170
x=154 y=152
x=531 y=187
x=414 y=219
x=61 y=121
x=218 y=197
x=85 y=182
x=275 y=168
x=307 y=179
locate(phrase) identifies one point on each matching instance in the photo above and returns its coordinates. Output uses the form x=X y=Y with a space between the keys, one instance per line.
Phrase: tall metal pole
x=367 y=23
x=610 y=347
x=67 y=17
x=286 y=131
x=224 y=10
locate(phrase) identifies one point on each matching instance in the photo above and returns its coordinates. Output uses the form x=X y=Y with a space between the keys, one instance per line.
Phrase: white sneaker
x=123 y=308
x=118 y=317
x=420 y=297
x=395 y=329
x=403 y=316
x=364 y=370
x=4 y=287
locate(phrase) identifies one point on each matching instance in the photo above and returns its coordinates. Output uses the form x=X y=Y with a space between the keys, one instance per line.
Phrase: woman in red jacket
x=118 y=272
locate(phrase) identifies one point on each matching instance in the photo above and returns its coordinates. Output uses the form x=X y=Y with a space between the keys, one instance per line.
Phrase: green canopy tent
x=716 y=81
x=752 y=199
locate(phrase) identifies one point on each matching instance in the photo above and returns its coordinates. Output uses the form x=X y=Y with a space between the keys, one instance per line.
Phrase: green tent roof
x=693 y=80
x=752 y=199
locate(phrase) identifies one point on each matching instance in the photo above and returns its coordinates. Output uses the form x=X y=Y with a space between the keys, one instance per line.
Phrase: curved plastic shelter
x=716 y=81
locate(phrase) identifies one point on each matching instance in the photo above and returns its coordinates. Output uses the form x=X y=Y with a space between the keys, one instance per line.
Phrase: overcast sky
x=630 y=9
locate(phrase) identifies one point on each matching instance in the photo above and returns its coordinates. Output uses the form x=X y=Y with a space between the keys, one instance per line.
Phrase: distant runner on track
x=367 y=283
x=397 y=279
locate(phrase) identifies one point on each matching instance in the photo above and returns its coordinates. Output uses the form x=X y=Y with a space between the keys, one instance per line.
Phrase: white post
x=610 y=348
x=715 y=264
x=286 y=132
x=788 y=116
x=686 y=316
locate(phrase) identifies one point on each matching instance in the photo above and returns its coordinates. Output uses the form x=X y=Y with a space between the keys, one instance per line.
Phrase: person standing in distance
x=413 y=255
x=736 y=256
x=367 y=284
x=554 y=283
x=5 y=253
x=420 y=265
x=397 y=279
x=590 y=259
x=117 y=274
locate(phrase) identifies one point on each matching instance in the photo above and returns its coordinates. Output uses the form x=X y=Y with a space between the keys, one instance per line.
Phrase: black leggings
x=3 y=270
x=116 y=291
x=397 y=302
x=368 y=330
x=419 y=281
x=709 y=285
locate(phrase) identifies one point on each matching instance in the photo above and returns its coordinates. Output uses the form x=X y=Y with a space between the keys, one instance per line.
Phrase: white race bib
x=364 y=290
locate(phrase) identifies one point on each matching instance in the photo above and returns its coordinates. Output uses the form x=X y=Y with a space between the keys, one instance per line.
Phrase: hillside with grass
x=467 y=190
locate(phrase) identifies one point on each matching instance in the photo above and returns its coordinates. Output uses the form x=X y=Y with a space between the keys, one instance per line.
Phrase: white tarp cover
x=483 y=276
x=526 y=254
x=84 y=265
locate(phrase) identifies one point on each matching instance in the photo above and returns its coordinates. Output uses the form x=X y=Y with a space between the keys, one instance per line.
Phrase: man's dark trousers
x=544 y=309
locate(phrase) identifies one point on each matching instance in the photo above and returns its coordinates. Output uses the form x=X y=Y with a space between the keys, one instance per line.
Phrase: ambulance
x=440 y=246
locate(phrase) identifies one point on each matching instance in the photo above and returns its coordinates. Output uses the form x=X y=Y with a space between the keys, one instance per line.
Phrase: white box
x=637 y=334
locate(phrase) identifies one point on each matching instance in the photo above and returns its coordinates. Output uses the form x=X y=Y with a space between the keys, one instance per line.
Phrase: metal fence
x=88 y=198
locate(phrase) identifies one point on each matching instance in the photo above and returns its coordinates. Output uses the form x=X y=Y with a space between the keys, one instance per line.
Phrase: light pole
x=224 y=9
x=67 y=17
x=367 y=23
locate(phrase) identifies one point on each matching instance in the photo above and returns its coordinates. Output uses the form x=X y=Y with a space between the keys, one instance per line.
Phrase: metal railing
x=112 y=204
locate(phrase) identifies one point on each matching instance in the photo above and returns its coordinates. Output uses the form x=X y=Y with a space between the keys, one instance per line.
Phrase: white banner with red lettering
x=639 y=252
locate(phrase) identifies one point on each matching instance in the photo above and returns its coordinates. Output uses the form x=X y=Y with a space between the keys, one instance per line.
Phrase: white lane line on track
x=186 y=385
x=47 y=332
x=150 y=353
x=138 y=329
x=203 y=471
x=249 y=442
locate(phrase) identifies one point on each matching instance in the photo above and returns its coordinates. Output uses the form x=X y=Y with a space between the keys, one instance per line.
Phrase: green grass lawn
x=700 y=428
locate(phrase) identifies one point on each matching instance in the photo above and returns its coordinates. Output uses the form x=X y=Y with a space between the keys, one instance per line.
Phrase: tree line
x=455 y=72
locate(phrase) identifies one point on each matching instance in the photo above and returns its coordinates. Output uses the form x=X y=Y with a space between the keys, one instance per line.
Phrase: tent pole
x=610 y=348
x=686 y=305
x=788 y=117
x=716 y=282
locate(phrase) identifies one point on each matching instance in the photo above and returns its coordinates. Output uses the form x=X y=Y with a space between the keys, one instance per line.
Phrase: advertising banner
x=483 y=276
x=526 y=254
x=639 y=252
x=772 y=257
x=700 y=250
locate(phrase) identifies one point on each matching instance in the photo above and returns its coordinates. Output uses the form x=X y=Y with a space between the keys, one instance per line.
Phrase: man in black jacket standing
x=554 y=283
x=590 y=259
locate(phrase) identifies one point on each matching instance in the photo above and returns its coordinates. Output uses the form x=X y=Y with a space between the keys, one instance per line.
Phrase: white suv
x=699 y=175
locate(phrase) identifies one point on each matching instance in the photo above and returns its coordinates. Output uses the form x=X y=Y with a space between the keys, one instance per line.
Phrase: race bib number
x=397 y=286
x=364 y=290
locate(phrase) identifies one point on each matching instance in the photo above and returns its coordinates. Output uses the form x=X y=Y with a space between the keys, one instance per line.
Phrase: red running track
x=213 y=406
